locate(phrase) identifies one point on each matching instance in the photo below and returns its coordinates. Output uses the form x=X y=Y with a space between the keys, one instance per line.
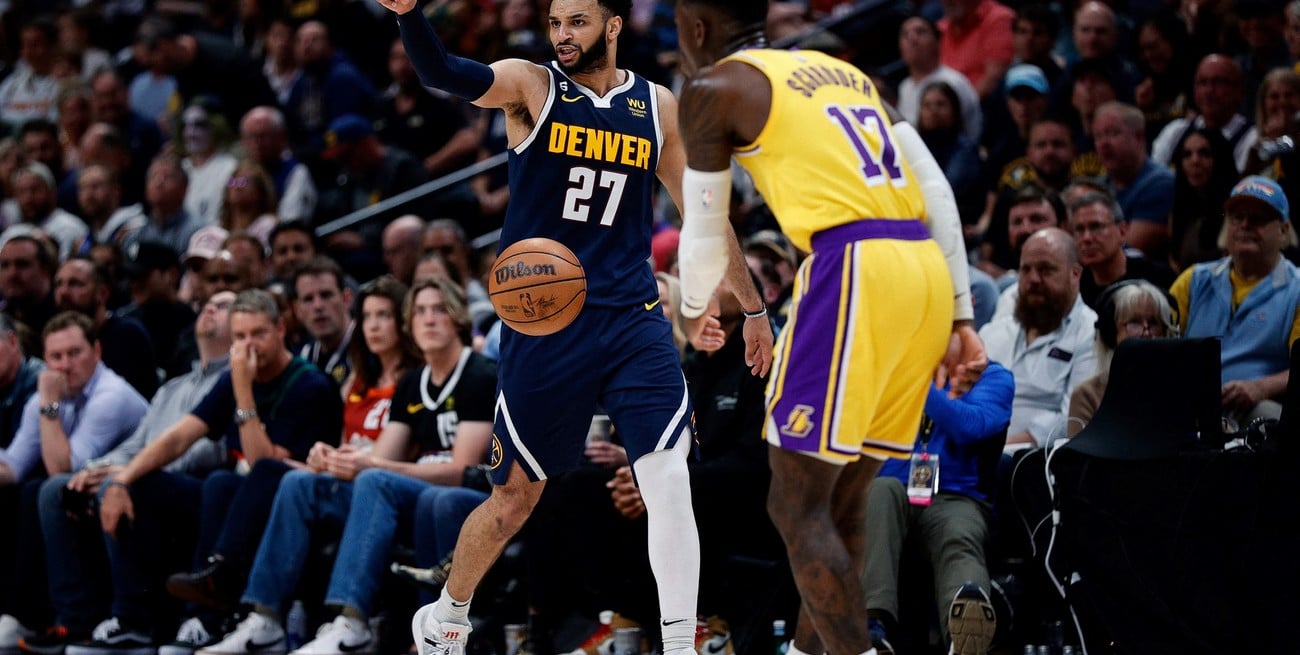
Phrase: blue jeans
x=439 y=513
x=156 y=543
x=74 y=558
x=305 y=499
x=389 y=500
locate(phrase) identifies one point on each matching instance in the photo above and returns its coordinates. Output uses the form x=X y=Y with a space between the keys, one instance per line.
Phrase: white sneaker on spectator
x=111 y=637
x=257 y=634
x=11 y=631
x=434 y=638
x=191 y=636
x=342 y=636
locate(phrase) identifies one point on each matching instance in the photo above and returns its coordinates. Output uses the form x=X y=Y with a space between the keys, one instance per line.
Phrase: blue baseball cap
x=1028 y=76
x=1257 y=188
x=345 y=131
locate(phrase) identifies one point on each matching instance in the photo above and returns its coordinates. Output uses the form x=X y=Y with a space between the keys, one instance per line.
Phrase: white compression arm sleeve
x=940 y=214
x=703 y=248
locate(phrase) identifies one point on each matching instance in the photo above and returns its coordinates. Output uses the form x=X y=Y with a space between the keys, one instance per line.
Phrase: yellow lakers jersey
x=826 y=156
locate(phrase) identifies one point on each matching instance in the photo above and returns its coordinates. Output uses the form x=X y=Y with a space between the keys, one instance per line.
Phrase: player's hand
x=627 y=498
x=606 y=454
x=964 y=362
x=705 y=333
x=115 y=504
x=758 y=345
x=398 y=6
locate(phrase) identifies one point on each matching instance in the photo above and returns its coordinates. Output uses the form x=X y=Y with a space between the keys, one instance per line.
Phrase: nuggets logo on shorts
x=494 y=457
x=799 y=423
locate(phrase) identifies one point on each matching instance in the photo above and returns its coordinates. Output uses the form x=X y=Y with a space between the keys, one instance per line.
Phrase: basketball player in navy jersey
x=587 y=140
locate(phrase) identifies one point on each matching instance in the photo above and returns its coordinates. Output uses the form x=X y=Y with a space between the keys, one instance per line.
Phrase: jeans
x=235 y=510
x=389 y=500
x=439 y=513
x=305 y=499
x=74 y=555
x=165 y=528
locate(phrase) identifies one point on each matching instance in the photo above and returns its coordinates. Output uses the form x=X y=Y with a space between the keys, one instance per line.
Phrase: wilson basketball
x=537 y=286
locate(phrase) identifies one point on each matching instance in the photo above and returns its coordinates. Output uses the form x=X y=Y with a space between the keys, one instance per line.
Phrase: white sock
x=870 y=652
x=674 y=541
x=793 y=650
x=450 y=610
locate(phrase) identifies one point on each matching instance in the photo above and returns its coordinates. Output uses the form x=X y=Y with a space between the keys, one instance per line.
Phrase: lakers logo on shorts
x=799 y=423
x=494 y=457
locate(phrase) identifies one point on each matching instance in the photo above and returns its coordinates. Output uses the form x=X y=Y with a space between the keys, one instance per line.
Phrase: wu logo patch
x=799 y=423
x=636 y=107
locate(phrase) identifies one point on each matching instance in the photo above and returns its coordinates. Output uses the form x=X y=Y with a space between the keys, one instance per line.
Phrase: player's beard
x=588 y=60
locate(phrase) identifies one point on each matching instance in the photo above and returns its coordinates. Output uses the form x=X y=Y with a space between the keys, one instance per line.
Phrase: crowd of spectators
x=169 y=170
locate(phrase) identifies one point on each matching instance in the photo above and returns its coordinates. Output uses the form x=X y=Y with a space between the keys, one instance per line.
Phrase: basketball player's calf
x=484 y=535
x=801 y=506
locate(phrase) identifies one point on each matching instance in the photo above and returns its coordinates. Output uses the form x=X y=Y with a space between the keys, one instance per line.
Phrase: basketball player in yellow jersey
x=874 y=311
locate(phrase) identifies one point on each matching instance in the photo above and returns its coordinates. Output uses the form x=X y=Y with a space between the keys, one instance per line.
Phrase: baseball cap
x=1257 y=189
x=1028 y=76
x=147 y=256
x=344 y=131
x=773 y=242
x=205 y=243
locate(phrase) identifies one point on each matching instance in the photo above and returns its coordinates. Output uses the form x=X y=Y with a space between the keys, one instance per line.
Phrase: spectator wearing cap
x=203 y=64
x=918 y=44
x=262 y=133
x=771 y=257
x=34 y=189
x=27 y=266
x=1218 y=92
x=30 y=90
x=1249 y=299
x=1026 y=103
x=204 y=245
x=82 y=286
x=154 y=272
x=976 y=41
x=99 y=192
x=368 y=172
x=170 y=223
x=329 y=87
x=1099 y=227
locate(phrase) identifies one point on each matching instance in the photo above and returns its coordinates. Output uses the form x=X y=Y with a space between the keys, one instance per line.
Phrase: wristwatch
x=51 y=410
x=243 y=416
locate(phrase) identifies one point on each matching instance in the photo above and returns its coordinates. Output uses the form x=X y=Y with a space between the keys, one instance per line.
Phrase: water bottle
x=779 y=643
x=295 y=626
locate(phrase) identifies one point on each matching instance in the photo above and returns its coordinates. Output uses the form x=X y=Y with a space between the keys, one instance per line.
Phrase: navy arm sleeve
x=459 y=76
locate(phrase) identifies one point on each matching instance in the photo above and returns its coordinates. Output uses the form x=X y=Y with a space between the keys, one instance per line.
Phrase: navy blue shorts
x=548 y=388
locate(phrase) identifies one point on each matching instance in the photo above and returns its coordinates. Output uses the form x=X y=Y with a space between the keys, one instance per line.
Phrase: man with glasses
x=1249 y=299
x=1099 y=228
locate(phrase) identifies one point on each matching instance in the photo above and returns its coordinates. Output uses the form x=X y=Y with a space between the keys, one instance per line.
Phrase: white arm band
x=702 y=250
x=940 y=215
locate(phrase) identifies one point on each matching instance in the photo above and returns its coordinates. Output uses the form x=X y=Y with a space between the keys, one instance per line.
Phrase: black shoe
x=971 y=621
x=111 y=637
x=52 y=642
x=208 y=587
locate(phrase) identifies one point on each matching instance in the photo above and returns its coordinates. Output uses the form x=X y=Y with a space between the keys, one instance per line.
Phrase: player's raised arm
x=503 y=83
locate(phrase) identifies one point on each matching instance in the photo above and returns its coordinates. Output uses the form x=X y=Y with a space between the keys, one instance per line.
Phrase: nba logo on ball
x=537 y=286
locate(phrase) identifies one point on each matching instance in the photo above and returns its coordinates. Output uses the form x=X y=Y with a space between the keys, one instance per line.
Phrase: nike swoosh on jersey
x=651 y=305
x=414 y=408
x=711 y=649
x=568 y=99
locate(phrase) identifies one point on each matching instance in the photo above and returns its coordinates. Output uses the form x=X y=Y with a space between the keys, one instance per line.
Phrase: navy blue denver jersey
x=584 y=177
